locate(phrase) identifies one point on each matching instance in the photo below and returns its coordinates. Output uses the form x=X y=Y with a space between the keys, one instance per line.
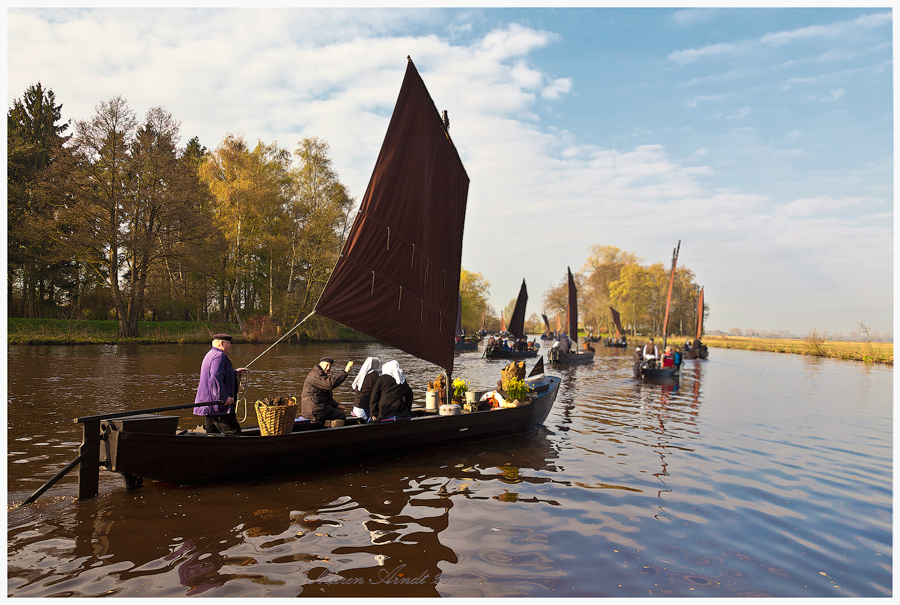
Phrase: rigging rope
x=245 y=379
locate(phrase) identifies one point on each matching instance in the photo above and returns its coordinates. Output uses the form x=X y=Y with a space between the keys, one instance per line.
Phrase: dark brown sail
x=700 y=315
x=517 y=320
x=617 y=320
x=573 y=310
x=397 y=278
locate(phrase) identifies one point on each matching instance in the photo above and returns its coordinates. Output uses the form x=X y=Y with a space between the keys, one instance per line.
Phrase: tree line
x=615 y=278
x=109 y=218
x=610 y=277
x=113 y=220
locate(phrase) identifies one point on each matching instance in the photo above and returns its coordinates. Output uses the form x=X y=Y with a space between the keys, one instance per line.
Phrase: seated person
x=316 y=402
x=668 y=360
x=391 y=397
x=362 y=386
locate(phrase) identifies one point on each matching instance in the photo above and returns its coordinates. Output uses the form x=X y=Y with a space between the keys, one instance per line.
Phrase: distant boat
x=460 y=342
x=574 y=355
x=547 y=335
x=651 y=369
x=618 y=340
x=697 y=350
x=516 y=330
x=397 y=280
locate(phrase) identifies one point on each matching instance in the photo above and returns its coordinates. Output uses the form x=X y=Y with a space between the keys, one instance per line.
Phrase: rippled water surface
x=757 y=474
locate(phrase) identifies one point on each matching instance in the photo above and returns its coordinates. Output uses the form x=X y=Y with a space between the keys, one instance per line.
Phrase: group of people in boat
x=518 y=344
x=649 y=353
x=381 y=392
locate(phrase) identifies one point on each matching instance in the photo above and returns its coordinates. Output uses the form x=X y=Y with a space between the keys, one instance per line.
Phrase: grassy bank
x=22 y=331
x=875 y=352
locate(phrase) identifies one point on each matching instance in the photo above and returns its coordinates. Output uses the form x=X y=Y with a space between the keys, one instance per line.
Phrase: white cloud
x=281 y=75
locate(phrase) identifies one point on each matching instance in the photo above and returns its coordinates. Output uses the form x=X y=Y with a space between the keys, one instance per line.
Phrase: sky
x=760 y=138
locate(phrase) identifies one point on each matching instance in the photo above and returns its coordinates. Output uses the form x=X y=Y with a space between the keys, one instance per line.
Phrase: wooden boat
x=191 y=458
x=516 y=329
x=574 y=356
x=649 y=369
x=697 y=350
x=397 y=280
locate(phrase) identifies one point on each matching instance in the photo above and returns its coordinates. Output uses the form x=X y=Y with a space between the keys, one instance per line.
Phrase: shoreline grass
x=21 y=331
x=871 y=352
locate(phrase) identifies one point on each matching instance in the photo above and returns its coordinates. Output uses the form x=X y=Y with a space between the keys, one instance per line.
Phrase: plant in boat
x=460 y=388
x=516 y=389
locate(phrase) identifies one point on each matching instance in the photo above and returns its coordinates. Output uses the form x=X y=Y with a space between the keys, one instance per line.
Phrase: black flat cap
x=328 y=359
x=222 y=337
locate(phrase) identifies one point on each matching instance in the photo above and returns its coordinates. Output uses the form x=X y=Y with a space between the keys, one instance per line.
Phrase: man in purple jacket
x=218 y=388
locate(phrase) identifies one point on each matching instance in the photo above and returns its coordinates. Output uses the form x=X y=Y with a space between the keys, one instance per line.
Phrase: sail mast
x=669 y=297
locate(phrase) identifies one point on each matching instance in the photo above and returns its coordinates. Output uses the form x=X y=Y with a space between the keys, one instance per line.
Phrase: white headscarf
x=393 y=368
x=371 y=364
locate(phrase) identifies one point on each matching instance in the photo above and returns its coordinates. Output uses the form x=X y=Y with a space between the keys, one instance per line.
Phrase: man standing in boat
x=317 y=403
x=218 y=388
x=651 y=352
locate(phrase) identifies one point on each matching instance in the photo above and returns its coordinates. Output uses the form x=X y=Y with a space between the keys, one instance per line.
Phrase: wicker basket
x=275 y=419
x=513 y=370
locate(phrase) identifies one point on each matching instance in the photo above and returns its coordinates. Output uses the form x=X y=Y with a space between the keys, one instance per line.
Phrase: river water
x=757 y=474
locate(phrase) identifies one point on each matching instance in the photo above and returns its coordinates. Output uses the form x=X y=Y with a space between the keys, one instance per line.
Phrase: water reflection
x=749 y=477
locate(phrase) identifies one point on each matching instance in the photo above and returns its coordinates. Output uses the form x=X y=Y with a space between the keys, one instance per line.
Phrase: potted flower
x=460 y=387
x=517 y=392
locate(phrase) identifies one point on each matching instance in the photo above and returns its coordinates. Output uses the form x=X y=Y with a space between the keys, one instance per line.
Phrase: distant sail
x=617 y=321
x=546 y=321
x=573 y=309
x=700 y=315
x=397 y=278
x=517 y=321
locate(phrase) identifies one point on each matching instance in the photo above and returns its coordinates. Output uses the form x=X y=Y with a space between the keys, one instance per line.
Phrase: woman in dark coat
x=362 y=386
x=391 y=396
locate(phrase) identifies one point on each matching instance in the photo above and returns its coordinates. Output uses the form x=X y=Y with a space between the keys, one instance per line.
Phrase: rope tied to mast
x=245 y=379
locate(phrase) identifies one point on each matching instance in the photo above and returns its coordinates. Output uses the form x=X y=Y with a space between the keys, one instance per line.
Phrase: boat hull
x=193 y=458
x=572 y=358
x=465 y=346
x=703 y=353
x=642 y=371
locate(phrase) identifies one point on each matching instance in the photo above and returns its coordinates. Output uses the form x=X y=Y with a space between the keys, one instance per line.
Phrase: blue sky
x=761 y=138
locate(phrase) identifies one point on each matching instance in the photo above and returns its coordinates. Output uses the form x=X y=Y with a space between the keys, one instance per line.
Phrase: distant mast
x=669 y=297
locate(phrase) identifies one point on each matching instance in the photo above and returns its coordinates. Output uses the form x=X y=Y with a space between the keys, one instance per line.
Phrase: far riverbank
x=874 y=352
x=22 y=331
